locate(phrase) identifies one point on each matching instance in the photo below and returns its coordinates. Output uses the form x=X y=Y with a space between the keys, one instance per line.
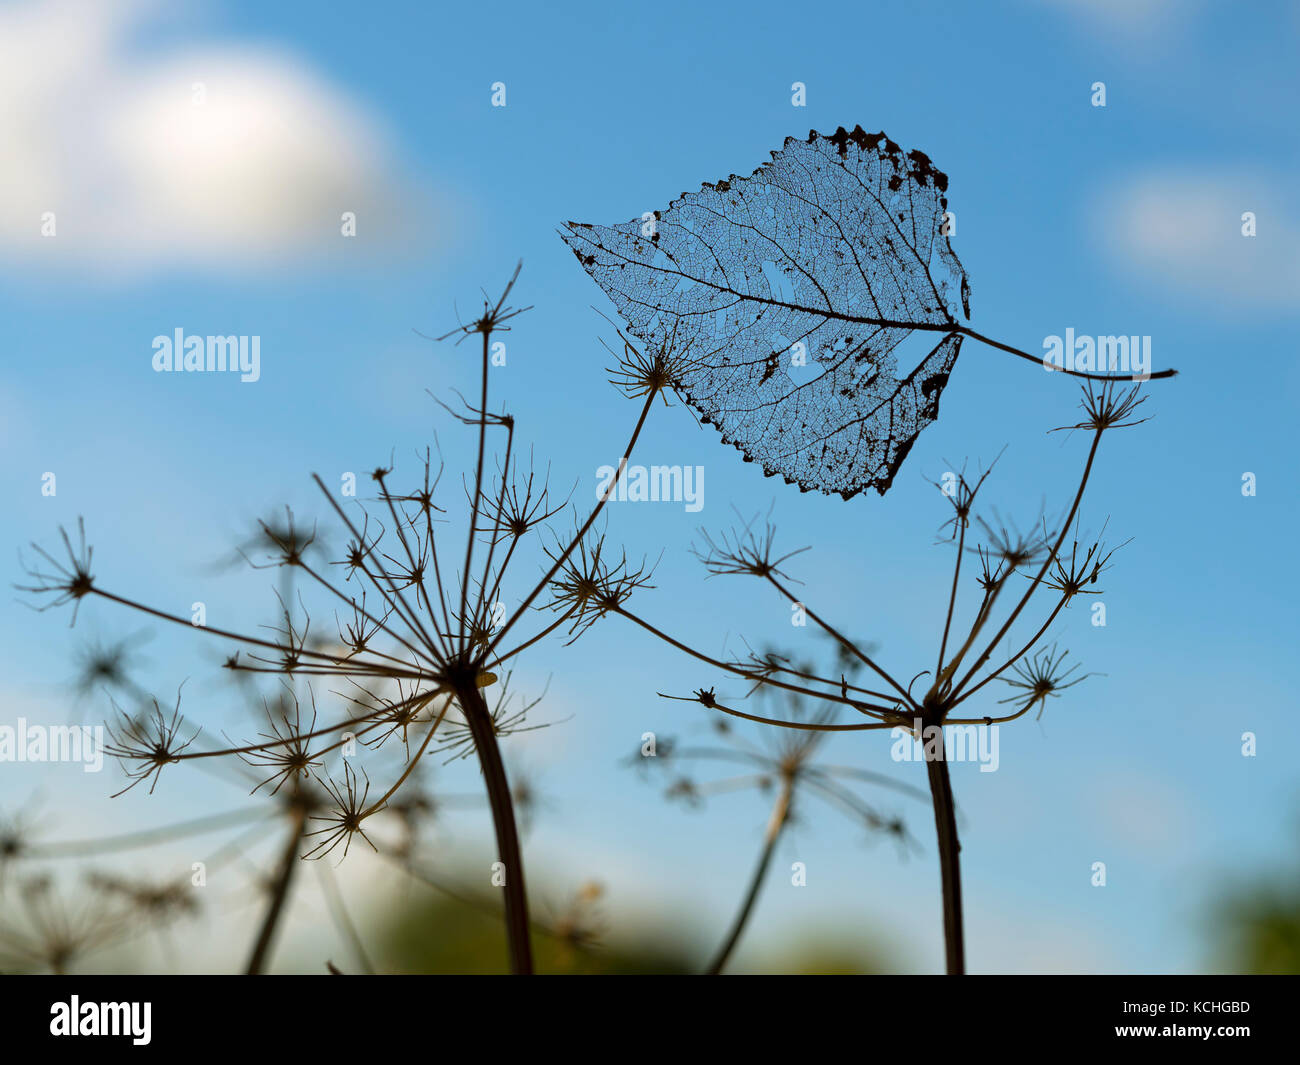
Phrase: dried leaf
x=832 y=253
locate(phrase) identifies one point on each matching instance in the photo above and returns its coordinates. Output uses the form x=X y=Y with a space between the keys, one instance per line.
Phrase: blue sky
x=1124 y=219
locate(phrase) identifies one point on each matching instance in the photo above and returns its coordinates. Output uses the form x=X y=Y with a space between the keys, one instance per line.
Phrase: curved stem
x=889 y=715
x=945 y=823
x=777 y=822
x=798 y=726
x=1010 y=350
x=483 y=731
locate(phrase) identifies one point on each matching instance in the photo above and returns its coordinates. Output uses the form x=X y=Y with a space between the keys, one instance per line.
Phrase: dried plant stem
x=483 y=731
x=945 y=822
x=780 y=817
x=145 y=838
x=478 y=480
x=890 y=716
x=1010 y=350
x=280 y=892
x=842 y=641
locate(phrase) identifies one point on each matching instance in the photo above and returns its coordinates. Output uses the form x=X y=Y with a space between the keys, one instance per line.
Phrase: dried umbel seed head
x=344 y=820
x=961 y=494
x=145 y=743
x=590 y=585
x=1040 y=678
x=67 y=581
x=1109 y=406
x=286 y=747
x=1078 y=574
x=652 y=372
x=517 y=506
x=281 y=543
x=104 y=666
x=744 y=550
x=1014 y=549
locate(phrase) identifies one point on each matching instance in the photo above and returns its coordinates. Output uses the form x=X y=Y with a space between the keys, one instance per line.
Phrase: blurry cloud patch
x=1186 y=231
x=222 y=157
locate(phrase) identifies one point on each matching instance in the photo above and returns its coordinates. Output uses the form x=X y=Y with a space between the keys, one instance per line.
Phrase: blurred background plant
x=783 y=764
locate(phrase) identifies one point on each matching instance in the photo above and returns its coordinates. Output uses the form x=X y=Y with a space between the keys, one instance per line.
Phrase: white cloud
x=1181 y=229
x=219 y=156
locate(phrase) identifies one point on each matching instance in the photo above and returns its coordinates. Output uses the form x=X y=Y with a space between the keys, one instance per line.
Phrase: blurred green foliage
x=442 y=935
x=1259 y=929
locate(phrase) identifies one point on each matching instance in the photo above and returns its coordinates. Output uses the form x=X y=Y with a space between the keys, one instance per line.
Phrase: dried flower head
x=67 y=581
x=1077 y=574
x=146 y=742
x=590 y=585
x=744 y=550
x=961 y=493
x=1041 y=677
x=1108 y=406
x=344 y=820
x=654 y=371
x=54 y=934
x=287 y=747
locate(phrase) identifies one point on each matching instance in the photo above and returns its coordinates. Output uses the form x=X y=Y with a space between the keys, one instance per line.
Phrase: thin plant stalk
x=775 y=825
x=280 y=892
